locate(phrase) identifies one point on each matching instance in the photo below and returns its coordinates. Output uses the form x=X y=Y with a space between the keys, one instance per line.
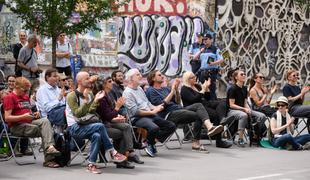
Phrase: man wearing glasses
x=63 y=53
x=23 y=122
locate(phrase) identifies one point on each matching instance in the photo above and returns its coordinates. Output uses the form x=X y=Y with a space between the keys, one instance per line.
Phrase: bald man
x=81 y=103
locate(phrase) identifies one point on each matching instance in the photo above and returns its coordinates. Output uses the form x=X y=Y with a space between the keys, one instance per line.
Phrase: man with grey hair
x=27 y=60
x=143 y=114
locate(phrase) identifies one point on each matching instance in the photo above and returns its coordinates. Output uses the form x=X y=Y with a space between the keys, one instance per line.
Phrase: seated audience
x=216 y=109
x=117 y=127
x=239 y=109
x=261 y=96
x=23 y=122
x=144 y=114
x=84 y=124
x=296 y=96
x=282 y=129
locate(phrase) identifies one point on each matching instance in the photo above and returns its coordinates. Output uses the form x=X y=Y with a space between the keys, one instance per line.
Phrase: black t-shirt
x=289 y=90
x=239 y=94
x=283 y=122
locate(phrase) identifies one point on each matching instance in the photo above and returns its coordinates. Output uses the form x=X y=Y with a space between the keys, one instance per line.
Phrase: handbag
x=87 y=119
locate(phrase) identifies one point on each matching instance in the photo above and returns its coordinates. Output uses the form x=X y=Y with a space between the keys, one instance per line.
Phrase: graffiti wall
x=159 y=38
x=267 y=36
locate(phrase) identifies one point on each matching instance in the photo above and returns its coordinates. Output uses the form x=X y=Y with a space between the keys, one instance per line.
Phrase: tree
x=52 y=17
x=305 y=3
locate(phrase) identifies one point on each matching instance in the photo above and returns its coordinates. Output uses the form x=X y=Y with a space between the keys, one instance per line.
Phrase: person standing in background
x=63 y=53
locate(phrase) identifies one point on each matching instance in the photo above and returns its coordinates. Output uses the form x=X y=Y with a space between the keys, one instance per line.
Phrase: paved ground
x=183 y=164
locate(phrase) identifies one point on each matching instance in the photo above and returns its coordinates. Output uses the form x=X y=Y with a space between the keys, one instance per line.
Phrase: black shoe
x=223 y=144
x=135 y=158
x=125 y=165
x=27 y=152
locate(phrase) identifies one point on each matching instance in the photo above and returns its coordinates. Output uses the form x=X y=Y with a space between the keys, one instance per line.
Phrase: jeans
x=296 y=142
x=156 y=127
x=97 y=133
x=301 y=111
x=243 y=117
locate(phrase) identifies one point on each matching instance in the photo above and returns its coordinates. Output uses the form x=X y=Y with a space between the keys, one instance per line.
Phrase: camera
x=66 y=88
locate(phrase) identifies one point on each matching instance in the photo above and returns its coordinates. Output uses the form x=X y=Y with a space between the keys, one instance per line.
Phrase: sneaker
x=154 y=149
x=306 y=146
x=125 y=165
x=93 y=169
x=135 y=158
x=223 y=144
x=27 y=152
x=241 y=143
x=149 y=151
x=118 y=157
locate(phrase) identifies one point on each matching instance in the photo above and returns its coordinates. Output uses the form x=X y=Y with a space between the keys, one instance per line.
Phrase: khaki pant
x=38 y=128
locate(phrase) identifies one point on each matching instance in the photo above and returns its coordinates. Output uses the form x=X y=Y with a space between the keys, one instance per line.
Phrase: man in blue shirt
x=194 y=53
x=210 y=60
x=50 y=98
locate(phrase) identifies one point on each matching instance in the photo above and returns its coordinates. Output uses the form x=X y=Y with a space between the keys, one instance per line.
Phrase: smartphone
x=210 y=59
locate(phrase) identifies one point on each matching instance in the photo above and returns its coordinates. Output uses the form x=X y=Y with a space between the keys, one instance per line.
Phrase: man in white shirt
x=63 y=53
x=50 y=99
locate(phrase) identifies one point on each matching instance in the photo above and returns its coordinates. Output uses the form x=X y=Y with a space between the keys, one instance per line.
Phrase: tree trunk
x=54 y=42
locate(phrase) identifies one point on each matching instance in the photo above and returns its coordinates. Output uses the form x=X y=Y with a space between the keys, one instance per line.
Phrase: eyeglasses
x=281 y=105
x=22 y=35
x=25 y=90
x=192 y=77
x=109 y=81
x=242 y=74
x=261 y=77
x=295 y=75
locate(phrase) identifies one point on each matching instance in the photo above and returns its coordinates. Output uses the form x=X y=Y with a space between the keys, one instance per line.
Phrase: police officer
x=210 y=59
x=194 y=53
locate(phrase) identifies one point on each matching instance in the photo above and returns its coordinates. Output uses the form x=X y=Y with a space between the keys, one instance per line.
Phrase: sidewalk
x=183 y=164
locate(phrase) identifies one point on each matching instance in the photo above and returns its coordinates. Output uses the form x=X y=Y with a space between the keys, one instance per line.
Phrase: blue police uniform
x=195 y=64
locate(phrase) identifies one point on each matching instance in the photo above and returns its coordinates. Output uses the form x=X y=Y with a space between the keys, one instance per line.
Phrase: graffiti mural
x=163 y=7
x=267 y=36
x=158 y=42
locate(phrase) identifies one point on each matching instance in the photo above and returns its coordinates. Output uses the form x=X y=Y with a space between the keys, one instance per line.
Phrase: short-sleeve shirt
x=195 y=47
x=239 y=94
x=289 y=90
x=284 y=131
x=65 y=47
x=19 y=105
x=211 y=54
x=23 y=56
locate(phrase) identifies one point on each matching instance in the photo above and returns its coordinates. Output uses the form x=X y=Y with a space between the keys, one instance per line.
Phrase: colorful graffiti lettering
x=163 y=7
x=158 y=42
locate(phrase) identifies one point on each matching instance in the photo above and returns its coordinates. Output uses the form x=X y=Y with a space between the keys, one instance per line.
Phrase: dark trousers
x=183 y=116
x=216 y=109
x=66 y=70
x=156 y=127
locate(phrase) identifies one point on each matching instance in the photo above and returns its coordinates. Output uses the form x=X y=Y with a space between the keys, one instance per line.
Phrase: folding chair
x=299 y=122
x=80 y=152
x=4 y=133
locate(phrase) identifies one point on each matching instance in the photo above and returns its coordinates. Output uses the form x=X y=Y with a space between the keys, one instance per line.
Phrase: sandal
x=51 y=164
x=201 y=148
x=215 y=130
x=52 y=151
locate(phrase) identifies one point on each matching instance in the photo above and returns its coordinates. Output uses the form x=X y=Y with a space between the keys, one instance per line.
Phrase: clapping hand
x=99 y=95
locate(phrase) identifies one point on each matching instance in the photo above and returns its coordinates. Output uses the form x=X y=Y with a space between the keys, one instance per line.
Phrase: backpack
x=16 y=49
x=62 y=144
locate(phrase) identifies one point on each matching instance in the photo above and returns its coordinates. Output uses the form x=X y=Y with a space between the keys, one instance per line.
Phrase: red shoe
x=118 y=157
x=93 y=169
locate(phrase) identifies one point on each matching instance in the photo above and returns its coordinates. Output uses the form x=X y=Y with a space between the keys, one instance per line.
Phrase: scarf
x=279 y=122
